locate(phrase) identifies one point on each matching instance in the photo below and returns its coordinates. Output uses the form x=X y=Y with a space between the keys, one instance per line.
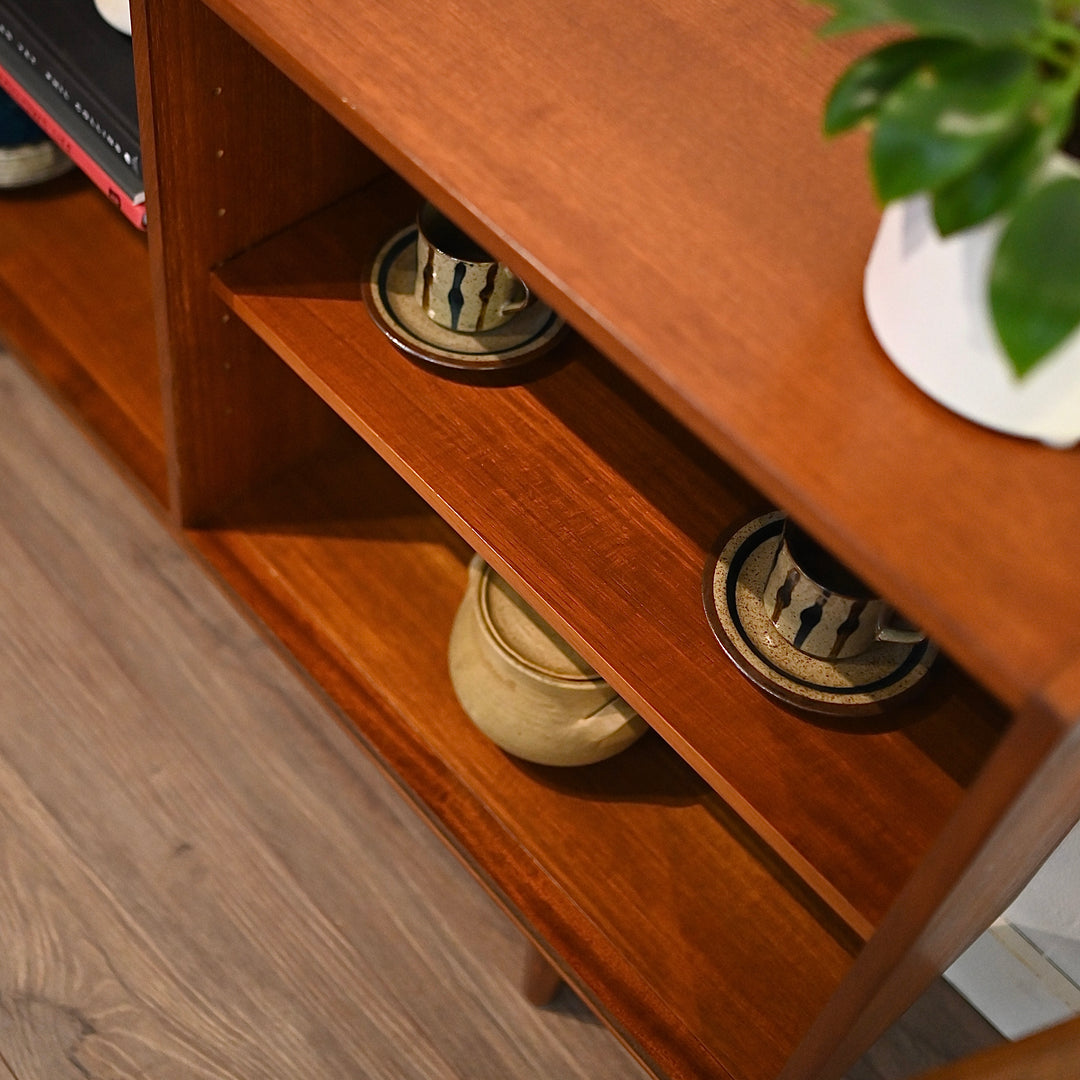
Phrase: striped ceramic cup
x=820 y=607
x=458 y=284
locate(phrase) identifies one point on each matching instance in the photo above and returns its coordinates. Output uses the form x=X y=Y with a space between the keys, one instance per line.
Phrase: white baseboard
x=1012 y=983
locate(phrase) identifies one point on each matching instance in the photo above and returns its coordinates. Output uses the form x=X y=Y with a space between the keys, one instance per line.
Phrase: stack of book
x=74 y=75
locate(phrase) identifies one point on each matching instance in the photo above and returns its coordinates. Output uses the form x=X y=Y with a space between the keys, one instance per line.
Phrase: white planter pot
x=926 y=300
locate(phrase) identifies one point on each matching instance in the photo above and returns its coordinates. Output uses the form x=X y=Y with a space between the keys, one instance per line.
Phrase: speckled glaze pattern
x=821 y=622
x=390 y=295
x=733 y=594
x=463 y=295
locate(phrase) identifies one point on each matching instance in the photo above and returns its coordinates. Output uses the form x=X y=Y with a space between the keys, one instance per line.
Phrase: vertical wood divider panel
x=232 y=152
x=1020 y=808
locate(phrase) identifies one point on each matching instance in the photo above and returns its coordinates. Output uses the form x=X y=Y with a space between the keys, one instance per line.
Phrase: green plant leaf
x=939 y=122
x=1004 y=172
x=859 y=92
x=988 y=22
x=1035 y=278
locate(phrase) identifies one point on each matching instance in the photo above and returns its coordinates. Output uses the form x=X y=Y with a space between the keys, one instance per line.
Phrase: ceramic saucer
x=861 y=685
x=388 y=293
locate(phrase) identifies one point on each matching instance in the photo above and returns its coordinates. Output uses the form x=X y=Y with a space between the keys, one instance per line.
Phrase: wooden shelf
x=575 y=460
x=663 y=179
x=747 y=892
x=75 y=300
x=360 y=580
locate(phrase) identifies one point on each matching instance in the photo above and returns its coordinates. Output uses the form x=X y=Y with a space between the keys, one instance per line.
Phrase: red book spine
x=134 y=211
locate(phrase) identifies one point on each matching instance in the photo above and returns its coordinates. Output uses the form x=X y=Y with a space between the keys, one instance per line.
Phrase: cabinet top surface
x=658 y=171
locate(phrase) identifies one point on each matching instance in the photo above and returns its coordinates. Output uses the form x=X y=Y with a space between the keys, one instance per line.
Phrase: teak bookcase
x=747 y=893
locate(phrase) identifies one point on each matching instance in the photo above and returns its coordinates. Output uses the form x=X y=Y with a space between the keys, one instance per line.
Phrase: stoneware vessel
x=27 y=155
x=866 y=685
x=458 y=284
x=820 y=607
x=525 y=688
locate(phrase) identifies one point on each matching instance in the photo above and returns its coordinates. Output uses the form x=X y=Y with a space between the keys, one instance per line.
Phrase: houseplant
x=968 y=111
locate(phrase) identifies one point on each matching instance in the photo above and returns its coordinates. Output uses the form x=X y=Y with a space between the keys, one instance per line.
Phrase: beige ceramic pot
x=525 y=688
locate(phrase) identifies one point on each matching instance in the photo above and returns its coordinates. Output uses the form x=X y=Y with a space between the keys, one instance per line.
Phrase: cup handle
x=476 y=568
x=894 y=634
x=512 y=307
x=615 y=721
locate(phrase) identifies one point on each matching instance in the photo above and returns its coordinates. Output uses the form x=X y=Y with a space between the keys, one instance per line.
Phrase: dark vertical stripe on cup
x=455 y=297
x=847 y=628
x=809 y=618
x=429 y=273
x=783 y=594
x=486 y=294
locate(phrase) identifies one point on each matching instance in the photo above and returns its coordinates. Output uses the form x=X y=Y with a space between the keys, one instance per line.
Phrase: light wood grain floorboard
x=200 y=874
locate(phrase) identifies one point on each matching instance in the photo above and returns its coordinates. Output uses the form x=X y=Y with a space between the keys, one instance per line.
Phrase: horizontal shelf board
x=75 y=303
x=633 y=869
x=576 y=462
x=664 y=178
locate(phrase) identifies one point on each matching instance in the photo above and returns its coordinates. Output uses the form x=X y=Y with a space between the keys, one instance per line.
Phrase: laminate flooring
x=201 y=875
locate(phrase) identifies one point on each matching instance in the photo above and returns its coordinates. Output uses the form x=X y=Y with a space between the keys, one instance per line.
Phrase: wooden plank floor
x=200 y=874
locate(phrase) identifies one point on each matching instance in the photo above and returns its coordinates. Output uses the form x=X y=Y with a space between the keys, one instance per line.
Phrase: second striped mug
x=821 y=608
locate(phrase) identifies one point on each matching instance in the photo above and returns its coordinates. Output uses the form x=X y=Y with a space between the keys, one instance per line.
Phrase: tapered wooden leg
x=541 y=980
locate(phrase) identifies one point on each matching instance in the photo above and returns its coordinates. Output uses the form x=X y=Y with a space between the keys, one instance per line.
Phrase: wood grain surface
x=602 y=510
x=661 y=177
x=938 y=1029
x=75 y=294
x=199 y=875
x=216 y=180
x=632 y=870
x=1022 y=805
x=199 y=878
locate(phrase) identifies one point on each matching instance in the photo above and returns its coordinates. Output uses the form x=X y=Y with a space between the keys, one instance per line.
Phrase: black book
x=88 y=64
x=75 y=74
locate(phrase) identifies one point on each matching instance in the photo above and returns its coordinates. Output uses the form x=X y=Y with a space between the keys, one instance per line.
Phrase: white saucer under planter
x=926 y=300
x=117 y=13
